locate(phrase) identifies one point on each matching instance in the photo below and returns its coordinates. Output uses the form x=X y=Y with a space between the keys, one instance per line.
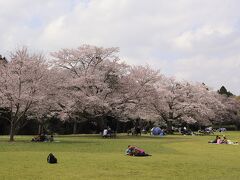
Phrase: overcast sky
x=194 y=40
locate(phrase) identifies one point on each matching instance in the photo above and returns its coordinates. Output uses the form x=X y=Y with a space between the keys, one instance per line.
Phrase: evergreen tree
x=223 y=90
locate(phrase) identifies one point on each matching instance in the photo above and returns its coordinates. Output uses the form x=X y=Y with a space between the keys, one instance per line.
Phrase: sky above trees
x=194 y=40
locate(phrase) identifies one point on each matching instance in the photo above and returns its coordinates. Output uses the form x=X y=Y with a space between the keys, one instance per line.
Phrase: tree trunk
x=169 y=123
x=101 y=124
x=12 y=132
x=75 y=127
x=40 y=128
x=199 y=127
x=117 y=126
x=169 y=127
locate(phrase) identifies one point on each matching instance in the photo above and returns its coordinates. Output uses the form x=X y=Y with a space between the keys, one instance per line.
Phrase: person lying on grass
x=135 y=151
x=226 y=141
x=218 y=140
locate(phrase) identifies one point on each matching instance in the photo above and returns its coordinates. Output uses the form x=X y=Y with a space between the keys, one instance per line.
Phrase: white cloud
x=174 y=35
x=213 y=72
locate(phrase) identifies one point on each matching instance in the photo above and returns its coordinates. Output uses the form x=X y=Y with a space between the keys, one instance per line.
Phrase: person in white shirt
x=105 y=133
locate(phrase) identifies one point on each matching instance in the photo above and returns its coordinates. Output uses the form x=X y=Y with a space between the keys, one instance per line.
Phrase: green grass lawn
x=92 y=157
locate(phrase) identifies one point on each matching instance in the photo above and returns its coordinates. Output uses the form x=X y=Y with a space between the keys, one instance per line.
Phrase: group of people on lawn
x=135 y=151
x=42 y=138
x=107 y=132
x=224 y=140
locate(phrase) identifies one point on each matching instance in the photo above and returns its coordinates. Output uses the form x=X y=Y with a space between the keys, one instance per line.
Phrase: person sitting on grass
x=51 y=138
x=215 y=140
x=135 y=151
x=129 y=150
x=226 y=141
x=105 y=133
x=40 y=138
x=219 y=141
x=36 y=138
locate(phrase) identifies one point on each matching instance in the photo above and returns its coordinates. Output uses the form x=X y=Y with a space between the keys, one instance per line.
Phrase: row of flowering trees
x=92 y=83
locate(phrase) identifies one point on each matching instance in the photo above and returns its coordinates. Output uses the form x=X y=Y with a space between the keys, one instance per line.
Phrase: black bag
x=51 y=159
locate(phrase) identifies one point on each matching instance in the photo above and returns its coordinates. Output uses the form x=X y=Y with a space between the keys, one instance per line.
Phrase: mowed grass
x=92 y=157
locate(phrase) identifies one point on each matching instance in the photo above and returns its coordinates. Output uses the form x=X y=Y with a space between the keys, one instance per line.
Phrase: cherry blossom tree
x=177 y=102
x=22 y=86
x=137 y=85
x=91 y=83
x=92 y=75
x=99 y=85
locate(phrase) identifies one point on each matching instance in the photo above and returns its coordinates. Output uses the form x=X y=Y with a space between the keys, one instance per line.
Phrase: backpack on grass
x=51 y=159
